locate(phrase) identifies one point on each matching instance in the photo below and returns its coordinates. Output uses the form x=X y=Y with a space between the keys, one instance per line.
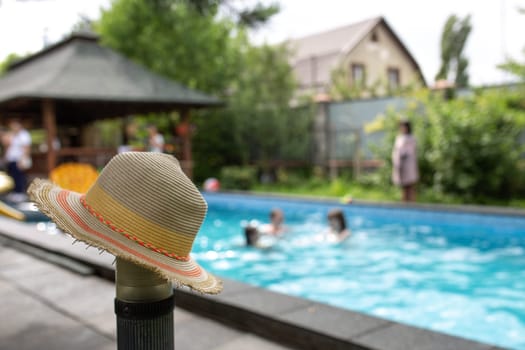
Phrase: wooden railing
x=98 y=157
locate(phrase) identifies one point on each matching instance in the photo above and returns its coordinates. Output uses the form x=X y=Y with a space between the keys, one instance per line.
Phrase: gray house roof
x=87 y=80
x=332 y=42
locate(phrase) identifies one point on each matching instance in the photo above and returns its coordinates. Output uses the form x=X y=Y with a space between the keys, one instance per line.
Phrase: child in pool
x=252 y=235
x=338 y=231
x=275 y=227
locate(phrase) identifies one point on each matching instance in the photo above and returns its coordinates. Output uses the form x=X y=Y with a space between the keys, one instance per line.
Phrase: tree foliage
x=472 y=147
x=514 y=66
x=262 y=114
x=252 y=17
x=174 y=41
x=340 y=87
x=257 y=125
x=454 y=64
x=8 y=61
x=191 y=43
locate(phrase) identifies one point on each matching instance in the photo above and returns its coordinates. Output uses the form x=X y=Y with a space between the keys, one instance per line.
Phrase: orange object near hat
x=142 y=208
x=78 y=177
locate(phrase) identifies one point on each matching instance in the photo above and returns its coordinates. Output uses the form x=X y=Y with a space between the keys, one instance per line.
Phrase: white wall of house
x=378 y=56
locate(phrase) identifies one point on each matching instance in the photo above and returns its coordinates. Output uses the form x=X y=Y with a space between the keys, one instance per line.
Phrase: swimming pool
x=457 y=273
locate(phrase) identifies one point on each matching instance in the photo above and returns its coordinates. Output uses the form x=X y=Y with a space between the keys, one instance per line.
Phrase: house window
x=393 y=78
x=358 y=74
x=374 y=38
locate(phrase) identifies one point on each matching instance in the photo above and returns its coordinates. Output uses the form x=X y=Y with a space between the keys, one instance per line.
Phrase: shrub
x=238 y=177
x=468 y=146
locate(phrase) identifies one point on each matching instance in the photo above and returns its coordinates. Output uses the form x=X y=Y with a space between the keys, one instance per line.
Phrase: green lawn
x=340 y=189
x=336 y=189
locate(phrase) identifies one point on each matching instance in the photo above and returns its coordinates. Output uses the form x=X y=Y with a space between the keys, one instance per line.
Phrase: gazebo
x=77 y=81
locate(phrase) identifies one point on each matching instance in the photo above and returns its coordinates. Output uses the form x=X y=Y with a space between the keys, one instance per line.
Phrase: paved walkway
x=48 y=307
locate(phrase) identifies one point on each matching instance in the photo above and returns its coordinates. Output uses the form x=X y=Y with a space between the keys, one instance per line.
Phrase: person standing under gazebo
x=18 y=158
x=155 y=139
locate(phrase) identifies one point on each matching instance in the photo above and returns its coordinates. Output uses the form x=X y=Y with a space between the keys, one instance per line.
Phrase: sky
x=498 y=29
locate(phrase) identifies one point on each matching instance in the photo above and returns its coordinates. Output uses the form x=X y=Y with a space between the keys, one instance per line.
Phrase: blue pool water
x=462 y=274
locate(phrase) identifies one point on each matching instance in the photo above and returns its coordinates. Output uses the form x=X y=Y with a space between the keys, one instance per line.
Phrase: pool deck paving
x=57 y=299
x=49 y=307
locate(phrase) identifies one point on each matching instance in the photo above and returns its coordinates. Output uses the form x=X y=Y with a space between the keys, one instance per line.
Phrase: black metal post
x=144 y=308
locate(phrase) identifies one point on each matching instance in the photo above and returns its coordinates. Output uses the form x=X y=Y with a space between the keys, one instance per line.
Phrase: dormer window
x=374 y=37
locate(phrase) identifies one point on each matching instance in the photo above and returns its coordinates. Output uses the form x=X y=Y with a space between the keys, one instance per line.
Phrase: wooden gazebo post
x=48 y=111
x=187 y=161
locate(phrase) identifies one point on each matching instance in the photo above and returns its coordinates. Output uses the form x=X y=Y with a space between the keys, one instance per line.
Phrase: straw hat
x=142 y=208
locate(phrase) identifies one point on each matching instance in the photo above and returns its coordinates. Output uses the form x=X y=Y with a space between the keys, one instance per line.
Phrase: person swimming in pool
x=252 y=235
x=253 y=238
x=276 y=226
x=337 y=232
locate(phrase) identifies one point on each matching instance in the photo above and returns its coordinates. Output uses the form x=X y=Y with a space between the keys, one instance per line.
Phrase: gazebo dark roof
x=87 y=81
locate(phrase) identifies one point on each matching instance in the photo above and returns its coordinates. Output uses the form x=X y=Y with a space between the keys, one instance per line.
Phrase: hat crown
x=147 y=196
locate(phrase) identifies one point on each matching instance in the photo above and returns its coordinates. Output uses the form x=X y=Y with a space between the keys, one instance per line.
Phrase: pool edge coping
x=462 y=208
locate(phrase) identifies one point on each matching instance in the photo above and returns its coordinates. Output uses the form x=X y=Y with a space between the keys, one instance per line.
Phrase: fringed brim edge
x=43 y=192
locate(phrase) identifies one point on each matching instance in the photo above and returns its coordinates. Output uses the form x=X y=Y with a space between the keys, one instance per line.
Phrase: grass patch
x=340 y=188
x=337 y=189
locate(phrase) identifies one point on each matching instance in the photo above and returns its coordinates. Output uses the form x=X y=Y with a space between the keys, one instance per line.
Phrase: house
x=367 y=57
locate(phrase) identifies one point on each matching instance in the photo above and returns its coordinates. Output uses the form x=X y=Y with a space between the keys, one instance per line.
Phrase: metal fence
x=349 y=143
x=339 y=136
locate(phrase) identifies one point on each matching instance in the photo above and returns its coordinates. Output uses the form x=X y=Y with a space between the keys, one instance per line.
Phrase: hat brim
x=67 y=211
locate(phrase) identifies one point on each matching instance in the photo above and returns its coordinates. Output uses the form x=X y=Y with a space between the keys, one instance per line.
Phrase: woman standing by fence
x=405 y=172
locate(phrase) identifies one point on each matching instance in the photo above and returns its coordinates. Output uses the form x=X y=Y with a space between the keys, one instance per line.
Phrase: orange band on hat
x=62 y=201
x=148 y=229
x=128 y=236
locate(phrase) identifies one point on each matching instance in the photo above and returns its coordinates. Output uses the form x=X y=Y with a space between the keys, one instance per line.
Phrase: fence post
x=357 y=154
x=144 y=307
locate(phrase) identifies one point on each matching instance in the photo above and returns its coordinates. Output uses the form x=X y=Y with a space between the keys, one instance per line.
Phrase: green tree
x=340 y=87
x=84 y=24
x=257 y=125
x=262 y=93
x=210 y=52
x=454 y=64
x=252 y=17
x=8 y=61
x=514 y=66
x=196 y=50
x=472 y=147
